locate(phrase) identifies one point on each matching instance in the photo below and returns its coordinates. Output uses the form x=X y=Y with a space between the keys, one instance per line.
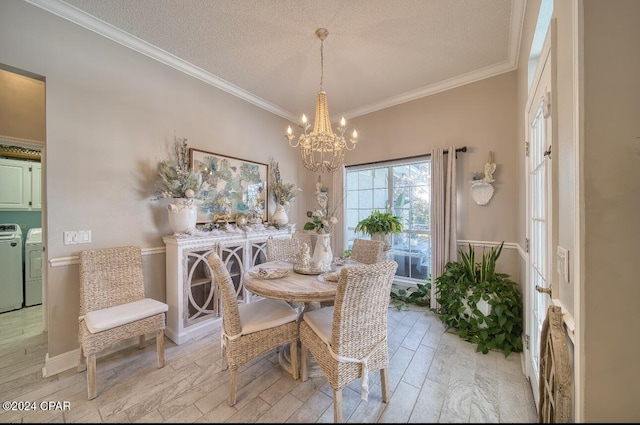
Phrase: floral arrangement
x=320 y=221
x=282 y=193
x=177 y=180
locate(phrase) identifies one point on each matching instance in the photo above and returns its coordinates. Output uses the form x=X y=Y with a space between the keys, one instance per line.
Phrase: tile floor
x=434 y=377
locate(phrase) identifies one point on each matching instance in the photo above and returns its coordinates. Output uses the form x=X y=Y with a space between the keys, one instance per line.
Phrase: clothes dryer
x=33 y=267
x=11 y=297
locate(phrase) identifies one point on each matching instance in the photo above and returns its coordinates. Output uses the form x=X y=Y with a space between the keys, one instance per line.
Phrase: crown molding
x=106 y=30
x=515 y=32
x=441 y=86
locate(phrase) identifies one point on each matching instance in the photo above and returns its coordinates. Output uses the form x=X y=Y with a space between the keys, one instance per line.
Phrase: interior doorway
x=22 y=142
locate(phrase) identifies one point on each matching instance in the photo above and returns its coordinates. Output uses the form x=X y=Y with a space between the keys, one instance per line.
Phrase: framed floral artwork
x=230 y=186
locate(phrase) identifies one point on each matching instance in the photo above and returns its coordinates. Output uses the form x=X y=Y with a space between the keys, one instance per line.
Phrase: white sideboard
x=192 y=295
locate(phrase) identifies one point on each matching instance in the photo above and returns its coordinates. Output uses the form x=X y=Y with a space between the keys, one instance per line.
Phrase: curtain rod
x=462 y=149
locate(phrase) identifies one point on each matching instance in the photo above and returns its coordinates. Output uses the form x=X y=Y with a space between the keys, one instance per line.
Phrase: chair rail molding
x=75 y=259
x=508 y=245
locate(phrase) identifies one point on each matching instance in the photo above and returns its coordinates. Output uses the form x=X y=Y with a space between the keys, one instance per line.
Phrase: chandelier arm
x=290 y=137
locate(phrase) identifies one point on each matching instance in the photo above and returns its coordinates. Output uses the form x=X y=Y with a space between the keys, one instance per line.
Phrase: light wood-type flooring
x=434 y=377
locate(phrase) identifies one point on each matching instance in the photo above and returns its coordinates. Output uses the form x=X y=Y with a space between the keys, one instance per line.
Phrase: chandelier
x=322 y=149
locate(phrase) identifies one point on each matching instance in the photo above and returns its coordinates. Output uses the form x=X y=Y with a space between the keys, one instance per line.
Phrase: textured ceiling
x=378 y=52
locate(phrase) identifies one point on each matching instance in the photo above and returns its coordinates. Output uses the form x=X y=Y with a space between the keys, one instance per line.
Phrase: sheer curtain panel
x=443 y=214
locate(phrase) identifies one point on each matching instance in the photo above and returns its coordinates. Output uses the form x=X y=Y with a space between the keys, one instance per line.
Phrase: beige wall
x=111 y=114
x=22 y=112
x=480 y=116
x=611 y=178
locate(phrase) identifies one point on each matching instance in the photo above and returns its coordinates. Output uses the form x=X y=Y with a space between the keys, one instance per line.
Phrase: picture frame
x=230 y=187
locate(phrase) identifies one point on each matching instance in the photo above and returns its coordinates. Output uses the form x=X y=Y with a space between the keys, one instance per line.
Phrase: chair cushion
x=108 y=318
x=320 y=321
x=265 y=314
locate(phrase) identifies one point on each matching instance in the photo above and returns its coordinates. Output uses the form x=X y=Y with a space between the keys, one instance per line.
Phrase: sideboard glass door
x=233 y=255
x=201 y=294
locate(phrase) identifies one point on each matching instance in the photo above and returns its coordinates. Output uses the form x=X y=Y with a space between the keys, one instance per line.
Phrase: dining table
x=304 y=287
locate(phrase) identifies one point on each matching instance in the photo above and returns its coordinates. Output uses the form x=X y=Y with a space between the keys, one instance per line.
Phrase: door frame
x=546 y=63
x=36 y=144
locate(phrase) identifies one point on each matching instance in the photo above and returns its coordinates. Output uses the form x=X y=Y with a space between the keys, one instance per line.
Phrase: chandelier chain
x=321 y=63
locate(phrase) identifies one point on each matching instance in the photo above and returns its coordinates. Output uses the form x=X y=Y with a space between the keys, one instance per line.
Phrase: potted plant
x=483 y=306
x=380 y=225
x=178 y=181
x=282 y=193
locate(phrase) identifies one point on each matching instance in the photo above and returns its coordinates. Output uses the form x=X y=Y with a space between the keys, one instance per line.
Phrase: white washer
x=33 y=267
x=11 y=297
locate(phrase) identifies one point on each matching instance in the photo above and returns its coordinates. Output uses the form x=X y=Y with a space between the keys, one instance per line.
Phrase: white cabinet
x=192 y=294
x=20 y=183
x=36 y=186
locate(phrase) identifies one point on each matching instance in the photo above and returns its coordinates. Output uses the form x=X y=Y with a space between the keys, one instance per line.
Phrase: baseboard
x=193 y=331
x=60 y=363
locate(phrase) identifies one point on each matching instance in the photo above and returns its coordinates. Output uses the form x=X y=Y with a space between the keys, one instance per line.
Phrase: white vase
x=183 y=214
x=280 y=216
x=384 y=237
x=322 y=255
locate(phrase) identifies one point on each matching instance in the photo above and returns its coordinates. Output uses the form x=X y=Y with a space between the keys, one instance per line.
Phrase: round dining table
x=292 y=287
x=311 y=288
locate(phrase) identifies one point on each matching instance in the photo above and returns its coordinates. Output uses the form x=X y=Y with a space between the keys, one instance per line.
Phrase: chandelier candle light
x=322 y=149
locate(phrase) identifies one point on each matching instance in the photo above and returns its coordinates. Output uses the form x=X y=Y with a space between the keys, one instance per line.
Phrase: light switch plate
x=70 y=238
x=74 y=237
x=84 y=236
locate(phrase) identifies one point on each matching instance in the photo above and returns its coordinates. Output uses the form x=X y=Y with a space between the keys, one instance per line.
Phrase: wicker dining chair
x=113 y=306
x=367 y=251
x=282 y=248
x=249 y=330
x=349 y=339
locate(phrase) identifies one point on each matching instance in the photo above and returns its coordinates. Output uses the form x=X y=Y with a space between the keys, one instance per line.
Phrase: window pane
x=352 y=198
x=352 y=181
x=380 y=199
x=365 y=180
x=380 y=178
x=365 y=199
x=409 y=197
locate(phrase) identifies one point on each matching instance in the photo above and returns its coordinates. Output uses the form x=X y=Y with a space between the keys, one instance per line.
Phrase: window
x=405 y=188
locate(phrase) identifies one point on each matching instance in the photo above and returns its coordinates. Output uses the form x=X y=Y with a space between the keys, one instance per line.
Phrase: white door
x=539 y=211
